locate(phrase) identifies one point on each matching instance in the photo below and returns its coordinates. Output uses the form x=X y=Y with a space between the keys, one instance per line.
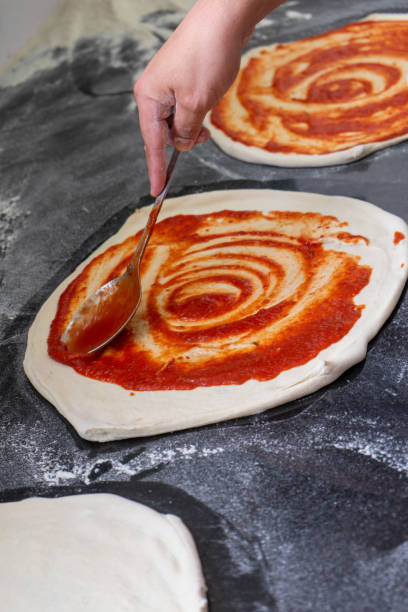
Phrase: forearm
x=190 y=73
x=237 y=17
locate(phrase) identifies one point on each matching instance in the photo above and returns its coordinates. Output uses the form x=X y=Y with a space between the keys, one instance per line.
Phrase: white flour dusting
x=50 y=464
x=266 y=22
x=365 y=436
x=75 y=19
x=378 y=449
x=297 y=15
x=10 y=219
x=87 y=472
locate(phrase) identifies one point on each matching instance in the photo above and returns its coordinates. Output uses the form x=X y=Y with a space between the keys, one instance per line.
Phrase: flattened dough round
x=96 y=553
x=104 y=411
x=325 y=100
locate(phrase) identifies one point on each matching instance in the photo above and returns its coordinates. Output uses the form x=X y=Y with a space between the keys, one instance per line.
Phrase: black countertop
x=299 y=508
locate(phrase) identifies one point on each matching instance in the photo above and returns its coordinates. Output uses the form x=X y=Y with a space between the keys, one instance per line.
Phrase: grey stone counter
x=300 y=508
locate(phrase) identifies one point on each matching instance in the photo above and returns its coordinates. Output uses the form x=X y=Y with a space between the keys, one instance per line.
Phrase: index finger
x=153 y=118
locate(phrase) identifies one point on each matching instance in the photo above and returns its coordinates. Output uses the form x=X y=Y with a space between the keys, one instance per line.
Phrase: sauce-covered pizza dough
x=328 y=99
x=96 y=553
x=251 y=298
x=228 y=296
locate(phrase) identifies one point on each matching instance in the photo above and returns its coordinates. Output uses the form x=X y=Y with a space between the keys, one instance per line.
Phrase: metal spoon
x=105 y=313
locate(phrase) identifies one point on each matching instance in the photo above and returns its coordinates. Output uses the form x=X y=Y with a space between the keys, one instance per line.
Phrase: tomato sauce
x=327 y=93
x=218 y=291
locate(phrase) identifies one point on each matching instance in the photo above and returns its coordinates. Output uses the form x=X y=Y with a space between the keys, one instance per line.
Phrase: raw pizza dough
x=347 y=89
x=96 y=553
x=102 y=411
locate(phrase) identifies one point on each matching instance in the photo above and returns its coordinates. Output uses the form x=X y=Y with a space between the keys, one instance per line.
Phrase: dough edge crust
x=101 y=411
x=256 y=155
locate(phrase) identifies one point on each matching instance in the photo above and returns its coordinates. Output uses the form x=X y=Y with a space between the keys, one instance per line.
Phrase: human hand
x=188 y=76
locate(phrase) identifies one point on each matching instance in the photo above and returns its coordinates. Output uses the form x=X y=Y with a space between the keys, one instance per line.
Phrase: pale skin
x=189 y=75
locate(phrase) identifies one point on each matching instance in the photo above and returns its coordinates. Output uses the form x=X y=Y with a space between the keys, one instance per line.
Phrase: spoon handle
x=144 y=238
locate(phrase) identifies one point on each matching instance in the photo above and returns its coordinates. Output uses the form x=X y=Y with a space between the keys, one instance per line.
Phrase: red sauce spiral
x=322 y=94
x=227 y=297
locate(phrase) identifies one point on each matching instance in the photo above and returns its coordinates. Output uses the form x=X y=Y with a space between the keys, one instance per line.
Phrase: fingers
x=153 y=119
x=187 y=127
x=160 y=127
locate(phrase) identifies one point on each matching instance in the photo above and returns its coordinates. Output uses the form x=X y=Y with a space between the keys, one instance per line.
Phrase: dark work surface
x=300 y=508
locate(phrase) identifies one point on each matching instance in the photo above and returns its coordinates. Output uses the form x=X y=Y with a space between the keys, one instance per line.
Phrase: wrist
x=236 y=17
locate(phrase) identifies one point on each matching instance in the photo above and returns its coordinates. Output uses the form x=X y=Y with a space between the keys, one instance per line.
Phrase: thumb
x=187 y=126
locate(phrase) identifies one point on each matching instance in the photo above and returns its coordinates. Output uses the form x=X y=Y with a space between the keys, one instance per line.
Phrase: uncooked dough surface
x=96 y=553
x=328 y=99
x=241 y=271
